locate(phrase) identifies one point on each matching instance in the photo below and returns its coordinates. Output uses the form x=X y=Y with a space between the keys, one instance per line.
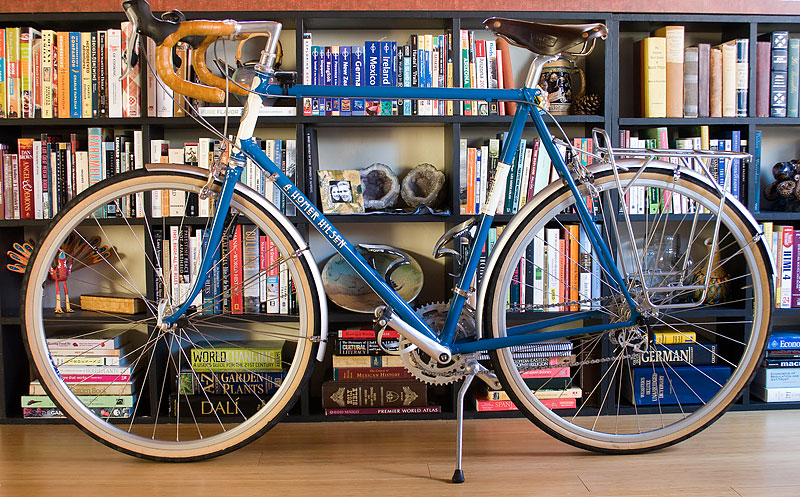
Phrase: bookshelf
x=611 y=58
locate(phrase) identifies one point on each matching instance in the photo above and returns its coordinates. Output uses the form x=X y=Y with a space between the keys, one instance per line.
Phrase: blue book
x=210 y=305
x=373 y=74
x=277 y=158
x=407 y=103
x=75 y=105
x=386 y=75
x=757 y=172
x=328 y=75
x=742 y=60
x=679 y=354
x=655 y=385
x=518 y=170
x=395 y=110
x=315 y=79
x=336 y=78
x=357 y=63
x=793 y=77
x=783 y=341
x=345 y=71
x=736 y=164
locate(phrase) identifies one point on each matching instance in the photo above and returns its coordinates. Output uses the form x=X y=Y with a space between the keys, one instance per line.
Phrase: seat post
x=535 y=70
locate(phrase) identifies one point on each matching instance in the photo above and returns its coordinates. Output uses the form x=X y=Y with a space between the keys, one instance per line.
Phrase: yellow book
x=673 y=337
x=48 y=44
x=673 y=37
x=728 y=78
x=86 y=74
x=653 y=64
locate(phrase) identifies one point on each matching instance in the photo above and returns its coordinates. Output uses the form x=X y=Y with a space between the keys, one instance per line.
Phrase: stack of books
x=545 y=369
x=366 y=380
x=778 y=380
x=228 y=379
x=678 y=369
x=95 y=369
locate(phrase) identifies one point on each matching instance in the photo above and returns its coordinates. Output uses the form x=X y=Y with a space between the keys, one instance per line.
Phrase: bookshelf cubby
x=608 y=72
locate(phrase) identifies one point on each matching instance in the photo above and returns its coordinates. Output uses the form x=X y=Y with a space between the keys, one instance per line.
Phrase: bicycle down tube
x=445 y=341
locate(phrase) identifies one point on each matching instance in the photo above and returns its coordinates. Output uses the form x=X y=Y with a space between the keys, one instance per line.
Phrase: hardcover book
x=116 y=303
x=395 y=393
x=263 y=355
x=656 y=385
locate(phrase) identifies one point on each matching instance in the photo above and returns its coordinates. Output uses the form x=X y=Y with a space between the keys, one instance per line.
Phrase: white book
x=291 y=172
x=284 y=288
x=585 y=268
x=81 y=171
x=114 y=60
x=542 y=177
x=553 y=261
x=789 y=394
x=477 y=189
x=526 y=175
x=195 y=255
x=484 y=174
x=155 y=157
x=177 y=198
x=203 y=161
x=37 y=180
x=307 y=70
x=462 y=176
x=237 y=111
x=434 y=72
x=48 y=44
x=491 y=64
x=539 y=269
x=86 y=74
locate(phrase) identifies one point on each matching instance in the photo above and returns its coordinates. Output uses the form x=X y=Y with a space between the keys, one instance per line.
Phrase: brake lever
x=128 y=60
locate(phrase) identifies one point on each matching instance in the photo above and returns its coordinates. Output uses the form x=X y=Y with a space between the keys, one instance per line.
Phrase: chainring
x=427 y=369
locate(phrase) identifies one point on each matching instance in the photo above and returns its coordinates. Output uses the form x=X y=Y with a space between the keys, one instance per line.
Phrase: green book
x=794 y=77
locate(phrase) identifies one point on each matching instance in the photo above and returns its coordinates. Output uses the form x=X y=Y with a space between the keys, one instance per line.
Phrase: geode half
x=424 y=185
x=380 y=186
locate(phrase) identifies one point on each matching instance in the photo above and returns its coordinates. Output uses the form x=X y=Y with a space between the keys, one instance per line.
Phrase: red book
x=507 y=405
x=762 y=78
x=383 y=410
x=237 y=304
x=263 y=263
x=25 y=151
x=508 y=79
x=95 y=378
x=366 y=334
x=546 y=372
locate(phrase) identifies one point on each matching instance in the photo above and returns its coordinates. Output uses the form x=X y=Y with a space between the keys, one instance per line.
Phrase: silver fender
x=281 y=219
x=596 y=170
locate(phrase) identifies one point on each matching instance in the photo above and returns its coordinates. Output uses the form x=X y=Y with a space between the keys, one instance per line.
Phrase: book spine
x=696 y=354
x=236 y=359
x=114 y=63
x=361 y=347
x=674 y=56
x=357 y=374
x=38 y=192
x=787 y=239
x=703 y=66
x=25 y=184
x=250 y=268
x=777 y=377
x=715 y=82
x=374 y=394
x=691 y=84
x=237 y=302
x=102 y=72
x=307 y=73
x=85 y=86
x=742 y=75
x=3 y=75
x=383 y=410
x=94 y=377
x=657 y=385
x=729 y=79
x=23 y=68
x=779 y=75
x=235 y=382
x=13 y=90
x=763 y=60
x=75 y=95
x=793 y=77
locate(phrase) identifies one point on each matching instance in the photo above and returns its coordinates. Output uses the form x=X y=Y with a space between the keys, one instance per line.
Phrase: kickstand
x=458 y=475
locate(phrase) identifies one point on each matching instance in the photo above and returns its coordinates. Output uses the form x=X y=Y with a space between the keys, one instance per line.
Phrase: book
x=482 y=405
x=715 y=82
x=93 y=340
x=674 y=36
x=380 y=373
x=791 y=394
x=691 y=82
x=393 y=393
x=54 y=412
x=568 y=393
x=694 y=353
x=779 y=51
x=382 y=410
x=729 y=79
x=672 y=337
x=793 y=77
x=656 y=385
x=117 y=303
x=742 y=75
x=88 y=401
x=763 y=60
x=651 y=63
x=108 y=388
x=703 y=81
x=370 y=361
x=777 y=377
x=190 y=407
x=783 y=341
x=230 y=382
x=263 y=355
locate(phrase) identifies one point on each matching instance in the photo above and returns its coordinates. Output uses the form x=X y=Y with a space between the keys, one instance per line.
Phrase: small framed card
x=340 y=192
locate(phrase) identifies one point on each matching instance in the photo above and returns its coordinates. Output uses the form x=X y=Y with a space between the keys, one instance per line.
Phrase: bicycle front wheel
x=219 y=379
x=631 y=390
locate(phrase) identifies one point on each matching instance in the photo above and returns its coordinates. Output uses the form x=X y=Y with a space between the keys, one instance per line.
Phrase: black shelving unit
x=608 y=72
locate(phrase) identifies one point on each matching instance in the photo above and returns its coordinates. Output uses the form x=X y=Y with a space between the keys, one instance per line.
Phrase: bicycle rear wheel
x=225 y=374
x=618 y=391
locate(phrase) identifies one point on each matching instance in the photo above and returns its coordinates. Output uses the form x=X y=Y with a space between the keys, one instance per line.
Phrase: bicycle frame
x=410 y=324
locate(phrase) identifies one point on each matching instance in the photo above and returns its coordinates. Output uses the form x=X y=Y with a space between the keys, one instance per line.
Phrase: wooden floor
x=743 y=454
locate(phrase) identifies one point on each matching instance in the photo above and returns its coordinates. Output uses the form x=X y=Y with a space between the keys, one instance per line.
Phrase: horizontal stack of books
x=228 y=379
x=778 y=380
x=95 y=369
x=678 y=369
x=368 y=381
x=545 y=369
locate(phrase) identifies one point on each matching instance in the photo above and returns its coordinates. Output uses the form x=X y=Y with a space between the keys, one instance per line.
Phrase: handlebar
x=200 y=34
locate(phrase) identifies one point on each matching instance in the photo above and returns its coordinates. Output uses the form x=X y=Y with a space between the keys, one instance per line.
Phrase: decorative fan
x=76 y=253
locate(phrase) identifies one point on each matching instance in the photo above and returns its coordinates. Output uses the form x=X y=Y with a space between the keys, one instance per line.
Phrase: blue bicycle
x=692 y=264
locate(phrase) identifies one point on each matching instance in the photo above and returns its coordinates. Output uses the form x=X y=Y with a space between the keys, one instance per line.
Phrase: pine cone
x=587 y=104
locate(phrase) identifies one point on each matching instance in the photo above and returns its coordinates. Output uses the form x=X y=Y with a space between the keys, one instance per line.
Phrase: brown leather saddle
x=545 y=39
